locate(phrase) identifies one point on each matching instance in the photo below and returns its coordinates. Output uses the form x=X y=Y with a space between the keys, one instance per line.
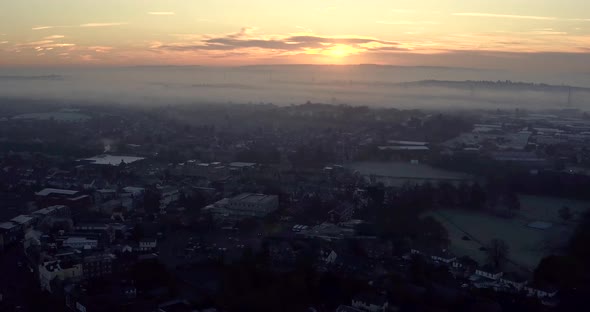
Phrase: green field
x=527 y=245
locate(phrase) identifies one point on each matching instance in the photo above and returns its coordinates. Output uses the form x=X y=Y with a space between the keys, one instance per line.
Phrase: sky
x=500 y=34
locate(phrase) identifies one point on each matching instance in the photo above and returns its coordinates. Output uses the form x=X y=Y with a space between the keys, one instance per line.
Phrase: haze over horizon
x=521 y=35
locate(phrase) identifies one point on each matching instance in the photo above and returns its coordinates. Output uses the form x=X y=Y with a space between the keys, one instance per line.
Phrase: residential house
x=513 y=281
x=370 y=302
x=148 y=244
x=489 y=272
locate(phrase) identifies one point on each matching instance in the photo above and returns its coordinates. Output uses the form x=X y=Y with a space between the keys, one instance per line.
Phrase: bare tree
x=497 y=252
x=565 y=213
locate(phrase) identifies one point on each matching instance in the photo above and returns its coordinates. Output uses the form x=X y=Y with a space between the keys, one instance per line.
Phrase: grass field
x=527 y=245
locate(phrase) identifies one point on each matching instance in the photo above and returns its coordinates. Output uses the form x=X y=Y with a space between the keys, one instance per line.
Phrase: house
x=343 y=213
x=541 y=291
x=489 y=272
x=345 y=308
x=328 y=256
x=513 y=281
x=370 y=302
x=443 y=256
x=148 y=244
x=464 y=266
x=175 y=306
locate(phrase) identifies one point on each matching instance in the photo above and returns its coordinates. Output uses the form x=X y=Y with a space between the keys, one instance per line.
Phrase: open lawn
x=396 y=173
x=527 y=245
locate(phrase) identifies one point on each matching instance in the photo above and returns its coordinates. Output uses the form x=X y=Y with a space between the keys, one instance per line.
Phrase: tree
x=512 y=201
x=497 y=252
x=433 y=232
x=565 y=213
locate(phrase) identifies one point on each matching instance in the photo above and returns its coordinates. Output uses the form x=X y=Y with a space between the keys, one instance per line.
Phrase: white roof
x=7 y=225
x=74 y=240
x=48 y=210
x=404 y=148
x=21 y=219
x=242 y=164
x=49 y=191
x=112 y=160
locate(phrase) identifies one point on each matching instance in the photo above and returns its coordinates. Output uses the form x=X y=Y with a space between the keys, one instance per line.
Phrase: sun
x=340 y=51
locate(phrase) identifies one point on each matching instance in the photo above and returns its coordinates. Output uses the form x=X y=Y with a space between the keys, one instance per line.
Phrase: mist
x=371 y=85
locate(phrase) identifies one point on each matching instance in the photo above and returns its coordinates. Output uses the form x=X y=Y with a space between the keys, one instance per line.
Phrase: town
x=311 y=207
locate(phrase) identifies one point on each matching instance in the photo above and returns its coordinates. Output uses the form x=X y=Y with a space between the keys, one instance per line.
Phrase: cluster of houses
x=487 y=277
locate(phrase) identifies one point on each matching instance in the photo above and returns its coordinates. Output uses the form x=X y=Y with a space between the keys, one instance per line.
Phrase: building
x=10 y=233
x=98 y=265
x=111 y=160
x=489 y=272
x=80 y=243
x=24 y=221
x=52 y=197
x=540 y=292
x=443 y=256
x=169 y=195
x=513 y=281
x=53 y=211
x=370 y=302
x=148 y=244
x=243 y=206
x=328 y=256
x=51 y=270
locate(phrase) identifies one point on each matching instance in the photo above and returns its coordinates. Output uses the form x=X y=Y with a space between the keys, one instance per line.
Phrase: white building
x=48 y=271
x=489 y=273
x=243 y=206
x=80 y=243
x=148 y=244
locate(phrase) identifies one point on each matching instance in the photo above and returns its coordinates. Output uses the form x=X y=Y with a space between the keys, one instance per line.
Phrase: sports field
x=527 y=245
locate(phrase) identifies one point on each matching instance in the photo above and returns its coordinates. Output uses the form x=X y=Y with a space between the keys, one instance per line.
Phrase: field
x=396 y=173
x=527 y=245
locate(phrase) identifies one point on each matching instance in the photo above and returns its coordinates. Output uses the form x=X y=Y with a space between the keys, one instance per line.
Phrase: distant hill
x=506 y=85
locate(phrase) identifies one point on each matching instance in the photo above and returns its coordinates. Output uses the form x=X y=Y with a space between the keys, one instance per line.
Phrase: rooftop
x=404 y=148
x=112 y=160
x=48 y=210
x=21 y=219
x=253 y=198
x=49 y=191
x=7 y=225
x=398 y=142
x=242 y=164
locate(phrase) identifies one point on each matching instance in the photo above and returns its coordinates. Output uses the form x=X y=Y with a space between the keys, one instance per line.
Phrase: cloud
x=54 y=37
x=245 y=40
x=408 y=22
x=161 y=13
x=102 y=24
x=531 y=17
x=3 y=42
x=48 y=27
x=81 y=25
